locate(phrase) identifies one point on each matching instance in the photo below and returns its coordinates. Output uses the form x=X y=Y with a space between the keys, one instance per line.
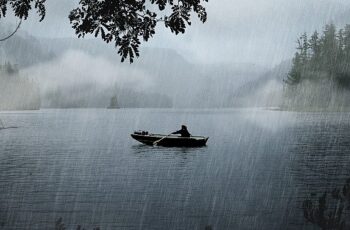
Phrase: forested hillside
x=22 y=49
x=320 y=74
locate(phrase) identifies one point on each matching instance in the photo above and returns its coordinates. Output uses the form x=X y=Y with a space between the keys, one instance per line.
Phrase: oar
x=156 y=142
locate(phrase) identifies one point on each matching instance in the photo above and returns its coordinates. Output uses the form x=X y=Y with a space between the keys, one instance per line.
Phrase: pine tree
x=329 y=49
x=339 y=65
x=294 y=75
x=304 y=49
x=346 y=51
x=315 y=47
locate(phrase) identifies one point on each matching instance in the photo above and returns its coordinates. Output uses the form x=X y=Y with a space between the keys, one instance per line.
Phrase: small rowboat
x=169 y=140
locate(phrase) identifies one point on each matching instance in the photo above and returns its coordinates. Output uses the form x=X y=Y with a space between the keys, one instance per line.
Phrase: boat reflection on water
x=145 y=151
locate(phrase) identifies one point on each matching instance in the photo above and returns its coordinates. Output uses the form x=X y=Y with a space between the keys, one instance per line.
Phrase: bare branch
x=13 y=33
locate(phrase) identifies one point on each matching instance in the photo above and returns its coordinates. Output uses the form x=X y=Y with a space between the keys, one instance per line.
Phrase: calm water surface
x=83 y=166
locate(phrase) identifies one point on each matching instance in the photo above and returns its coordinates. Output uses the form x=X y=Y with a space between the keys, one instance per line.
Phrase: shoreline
x=308 y=110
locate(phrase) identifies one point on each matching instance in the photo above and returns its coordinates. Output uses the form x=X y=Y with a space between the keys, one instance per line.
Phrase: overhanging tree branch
x=126 y=23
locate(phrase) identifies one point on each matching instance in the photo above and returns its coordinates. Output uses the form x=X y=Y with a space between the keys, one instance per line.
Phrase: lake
x=82 y=165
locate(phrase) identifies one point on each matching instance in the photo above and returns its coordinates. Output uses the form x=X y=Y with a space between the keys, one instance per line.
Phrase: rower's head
x=183 y=127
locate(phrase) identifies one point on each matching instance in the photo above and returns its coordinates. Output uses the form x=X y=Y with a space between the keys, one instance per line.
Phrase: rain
x=240 y=122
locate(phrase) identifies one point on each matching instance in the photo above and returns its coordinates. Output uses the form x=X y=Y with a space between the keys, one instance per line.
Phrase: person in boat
x=183 y=131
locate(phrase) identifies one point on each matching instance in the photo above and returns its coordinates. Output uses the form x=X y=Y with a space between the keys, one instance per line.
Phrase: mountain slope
x=265 y=91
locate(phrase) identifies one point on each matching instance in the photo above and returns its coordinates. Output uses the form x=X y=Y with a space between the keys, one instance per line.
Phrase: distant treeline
x=320 y=74
x=90 y=95
x=325 y=55
x=17 y=92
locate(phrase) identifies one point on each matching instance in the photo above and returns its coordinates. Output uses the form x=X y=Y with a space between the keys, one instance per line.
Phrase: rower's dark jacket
x=183 y=132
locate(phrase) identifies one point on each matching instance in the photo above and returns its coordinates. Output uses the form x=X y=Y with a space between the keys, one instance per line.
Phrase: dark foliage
x=21 y=8
x=322 y=56
x=329 y=213
x=127 y=22
x=123 y=22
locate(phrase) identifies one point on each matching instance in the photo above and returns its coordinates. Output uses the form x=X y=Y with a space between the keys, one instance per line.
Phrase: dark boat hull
x=170 y=141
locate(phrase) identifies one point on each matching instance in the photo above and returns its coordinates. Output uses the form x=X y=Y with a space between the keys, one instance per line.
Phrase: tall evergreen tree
x=329 y=49
x=315 y=47
x=346 y=51
x=305 y=48
x=294 y=75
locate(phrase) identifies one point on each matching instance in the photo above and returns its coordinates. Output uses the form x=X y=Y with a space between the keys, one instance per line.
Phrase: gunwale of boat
x=149 y=139
x=171 y=136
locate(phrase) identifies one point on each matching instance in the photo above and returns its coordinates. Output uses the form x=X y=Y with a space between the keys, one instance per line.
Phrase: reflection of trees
x=59 y=225
x=329 y=213
x=320 y=162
